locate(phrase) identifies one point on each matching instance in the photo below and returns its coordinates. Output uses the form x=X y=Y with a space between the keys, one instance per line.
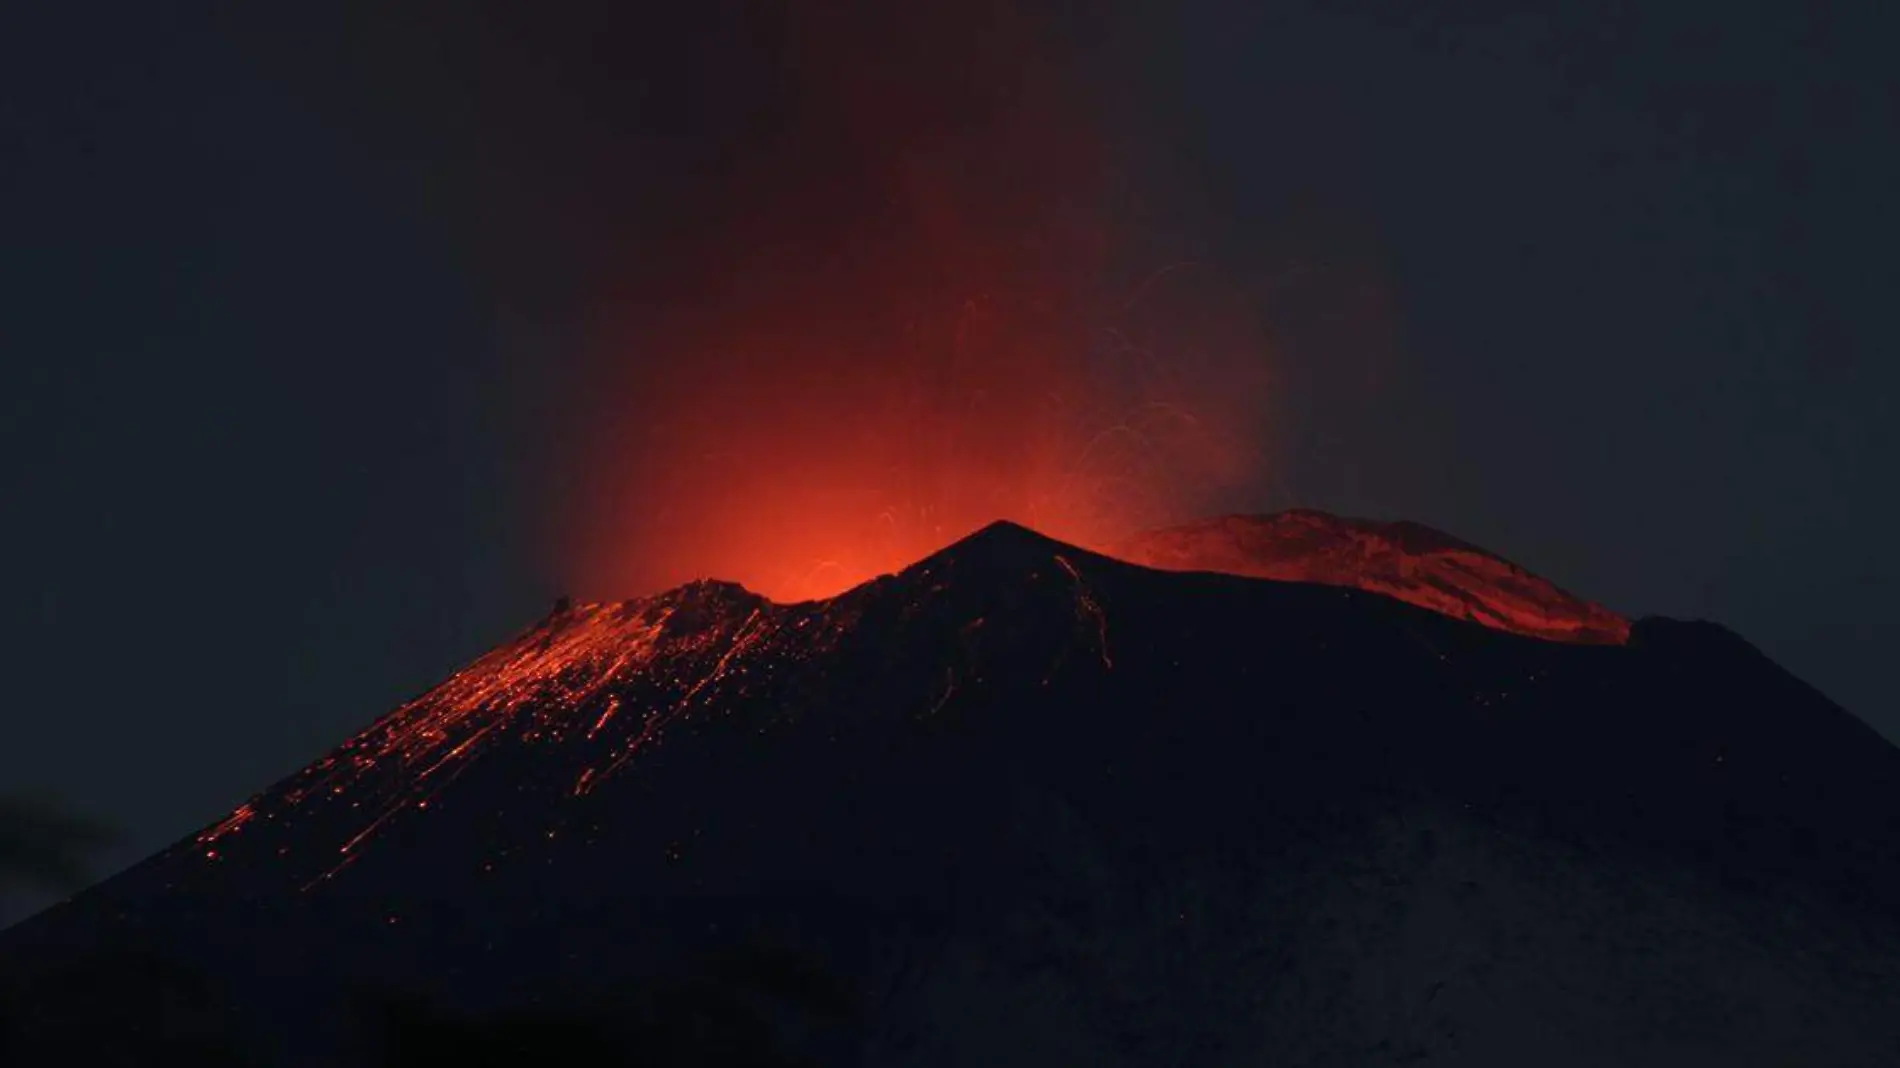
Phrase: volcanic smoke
x=918 y=311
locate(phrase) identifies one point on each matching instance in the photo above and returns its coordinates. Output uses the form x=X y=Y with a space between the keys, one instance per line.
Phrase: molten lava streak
x=1406 y=561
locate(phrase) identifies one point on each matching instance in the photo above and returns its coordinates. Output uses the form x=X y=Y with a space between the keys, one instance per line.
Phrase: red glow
x=920 y=321
x=1407 y=561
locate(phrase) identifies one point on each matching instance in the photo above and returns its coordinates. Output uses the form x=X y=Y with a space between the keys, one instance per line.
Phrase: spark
x=657 y=722
x=229 y=825
x=949 y=689
x=330 y=873
x=613 y=705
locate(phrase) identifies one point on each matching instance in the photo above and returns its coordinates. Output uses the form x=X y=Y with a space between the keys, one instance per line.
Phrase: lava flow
x=1404 y=560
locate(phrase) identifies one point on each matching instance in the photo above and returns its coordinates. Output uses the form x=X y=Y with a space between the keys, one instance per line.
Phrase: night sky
x=338 y=343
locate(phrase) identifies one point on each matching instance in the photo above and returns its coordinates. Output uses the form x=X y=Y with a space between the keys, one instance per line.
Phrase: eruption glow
x=804 y=478
x=918 y=320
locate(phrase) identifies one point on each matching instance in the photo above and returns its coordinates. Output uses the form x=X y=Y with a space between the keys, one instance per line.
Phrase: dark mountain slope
x=1039 y=806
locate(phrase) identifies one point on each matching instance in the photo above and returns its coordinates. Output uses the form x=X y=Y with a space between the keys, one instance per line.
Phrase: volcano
x=1027 y=804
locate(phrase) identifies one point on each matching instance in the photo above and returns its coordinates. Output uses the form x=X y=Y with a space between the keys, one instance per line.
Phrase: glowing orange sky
x=917 y=320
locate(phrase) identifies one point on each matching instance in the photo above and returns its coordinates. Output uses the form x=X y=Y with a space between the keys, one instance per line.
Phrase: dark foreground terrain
x=1023 y=805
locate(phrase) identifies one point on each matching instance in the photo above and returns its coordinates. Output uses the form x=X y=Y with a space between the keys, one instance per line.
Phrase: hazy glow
x=804 y=472
x=928 y=317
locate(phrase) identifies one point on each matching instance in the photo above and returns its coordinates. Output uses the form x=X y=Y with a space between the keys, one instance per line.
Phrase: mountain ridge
x=1402 y=559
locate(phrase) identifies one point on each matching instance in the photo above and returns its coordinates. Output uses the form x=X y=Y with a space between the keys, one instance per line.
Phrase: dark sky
x=302 y=314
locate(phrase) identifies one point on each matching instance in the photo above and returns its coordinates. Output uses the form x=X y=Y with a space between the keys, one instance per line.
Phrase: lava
x=564 y=682
x=1404 y=560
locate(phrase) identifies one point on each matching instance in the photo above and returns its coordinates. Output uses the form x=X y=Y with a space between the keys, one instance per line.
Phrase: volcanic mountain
x=1032 y=805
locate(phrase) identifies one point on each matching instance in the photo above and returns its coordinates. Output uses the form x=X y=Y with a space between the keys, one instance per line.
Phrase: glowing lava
x=595 y=687
x=603 y=680
x=1413 y=563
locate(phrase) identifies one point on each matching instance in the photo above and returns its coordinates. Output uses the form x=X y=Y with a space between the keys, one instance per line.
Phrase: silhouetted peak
x=1000 y=546
x=1004 y=535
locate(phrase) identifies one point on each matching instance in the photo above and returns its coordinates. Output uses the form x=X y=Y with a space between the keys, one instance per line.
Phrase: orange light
x=927 y=316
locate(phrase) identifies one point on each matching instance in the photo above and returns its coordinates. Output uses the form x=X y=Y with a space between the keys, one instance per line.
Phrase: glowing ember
x=608 y=678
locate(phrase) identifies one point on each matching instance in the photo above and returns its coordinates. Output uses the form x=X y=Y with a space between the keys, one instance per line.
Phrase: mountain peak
x=1004 y=535
x=1001 y=545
